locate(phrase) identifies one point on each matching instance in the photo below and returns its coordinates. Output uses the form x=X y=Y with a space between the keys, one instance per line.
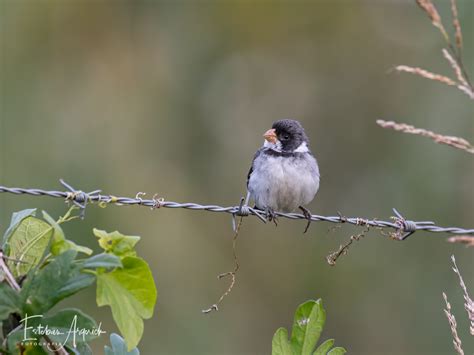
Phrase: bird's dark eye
x=286 y=137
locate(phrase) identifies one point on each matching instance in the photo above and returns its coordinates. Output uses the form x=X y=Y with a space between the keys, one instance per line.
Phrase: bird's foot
x=271 y=216
x=307 y=215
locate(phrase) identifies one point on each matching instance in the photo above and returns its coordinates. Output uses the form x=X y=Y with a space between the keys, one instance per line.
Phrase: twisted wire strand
x=403 y=228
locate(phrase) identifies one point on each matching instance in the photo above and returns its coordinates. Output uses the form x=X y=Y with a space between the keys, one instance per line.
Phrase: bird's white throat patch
x=275 y=146
x=303 y=147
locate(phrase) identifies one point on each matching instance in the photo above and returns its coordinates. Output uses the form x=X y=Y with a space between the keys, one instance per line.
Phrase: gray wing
x=257 y=154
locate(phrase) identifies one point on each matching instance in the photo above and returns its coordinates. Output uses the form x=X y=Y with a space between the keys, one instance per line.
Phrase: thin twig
x=8 y=275
x=343 y=248
x=455 y=142
x=232 y=274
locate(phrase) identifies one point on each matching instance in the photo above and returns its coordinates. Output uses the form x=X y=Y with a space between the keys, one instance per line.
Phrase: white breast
x=284 y=183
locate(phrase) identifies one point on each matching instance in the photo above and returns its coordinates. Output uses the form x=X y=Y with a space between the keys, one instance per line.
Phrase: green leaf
x=80 y=349
x=307 y=326
x=57 y=280
x=58 y=231
x=118 y=347
x=324 y=347
x=9 y=301
x=60 y=244
x=281 y=344
x=16 y=341
x=63 y=245
x=34 y=350
x=131 y=294
x=117 y=243
x=17 y=217
x=28 y=243
x=102 y=260
x=72 y=327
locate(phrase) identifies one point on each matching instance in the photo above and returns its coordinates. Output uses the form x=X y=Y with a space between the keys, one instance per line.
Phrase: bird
x=284 y=174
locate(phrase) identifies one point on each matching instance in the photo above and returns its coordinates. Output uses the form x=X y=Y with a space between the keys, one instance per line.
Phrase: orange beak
x=270 y=136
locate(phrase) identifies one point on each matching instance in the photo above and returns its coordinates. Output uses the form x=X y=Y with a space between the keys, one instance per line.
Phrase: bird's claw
x=271 y=216
x=307 y=215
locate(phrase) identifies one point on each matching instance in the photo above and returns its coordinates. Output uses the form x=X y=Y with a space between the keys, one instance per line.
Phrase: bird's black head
x=290 y=134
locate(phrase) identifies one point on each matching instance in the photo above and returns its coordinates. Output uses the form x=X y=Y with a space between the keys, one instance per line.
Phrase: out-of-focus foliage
x=119 y=347
x=28 y=294
x=129 y=290
x=307 y=327
x=172 y=97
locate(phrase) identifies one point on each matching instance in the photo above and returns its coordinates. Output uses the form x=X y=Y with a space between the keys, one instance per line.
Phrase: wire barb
x=78 y=197
x=158 y=202
x=401 y=226
x=406 y=228
x=243 y=210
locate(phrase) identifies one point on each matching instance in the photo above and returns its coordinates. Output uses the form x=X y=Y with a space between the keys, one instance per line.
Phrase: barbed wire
x=402 y=227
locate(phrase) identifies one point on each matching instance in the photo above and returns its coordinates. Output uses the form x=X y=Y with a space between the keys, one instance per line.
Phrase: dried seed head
x=426 y=74
x=457 y=26
x=433 y=14
x=455 y=65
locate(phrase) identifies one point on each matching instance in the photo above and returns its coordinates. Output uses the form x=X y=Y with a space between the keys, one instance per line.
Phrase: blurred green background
x=173 y=97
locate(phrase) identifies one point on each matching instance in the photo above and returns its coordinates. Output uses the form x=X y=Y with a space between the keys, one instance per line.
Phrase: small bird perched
x=284 y=174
